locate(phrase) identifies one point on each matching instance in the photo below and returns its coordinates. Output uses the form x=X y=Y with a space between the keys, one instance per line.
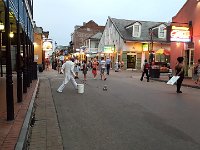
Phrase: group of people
x=71 y=70
x=179 y=71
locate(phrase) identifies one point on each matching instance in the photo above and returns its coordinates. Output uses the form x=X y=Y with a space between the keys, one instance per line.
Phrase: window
x=136 y=30
x=96 y=45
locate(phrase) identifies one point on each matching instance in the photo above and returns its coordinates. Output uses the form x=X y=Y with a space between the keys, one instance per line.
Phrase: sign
x=180 y=34
x=145 y=47
x=108 y=49
x=47 y=45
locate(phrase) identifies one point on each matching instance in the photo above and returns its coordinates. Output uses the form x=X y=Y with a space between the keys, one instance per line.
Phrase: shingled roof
x=126 y=33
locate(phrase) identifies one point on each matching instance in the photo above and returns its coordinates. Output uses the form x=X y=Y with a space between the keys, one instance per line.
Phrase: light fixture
x=11 y=32
x=1 y=23
x=1 y=26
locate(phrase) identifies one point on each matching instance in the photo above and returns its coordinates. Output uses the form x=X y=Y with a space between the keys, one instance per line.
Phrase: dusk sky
x=59 y=17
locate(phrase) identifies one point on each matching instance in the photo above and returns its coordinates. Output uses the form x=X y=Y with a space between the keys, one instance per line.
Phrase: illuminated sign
x=180 y=34
x=145 y=47
x=108 y=49
x=47 y=45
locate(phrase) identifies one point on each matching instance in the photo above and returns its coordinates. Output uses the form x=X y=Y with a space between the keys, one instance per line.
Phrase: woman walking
x=94 y=67
x=179 y=69
x=85 y=69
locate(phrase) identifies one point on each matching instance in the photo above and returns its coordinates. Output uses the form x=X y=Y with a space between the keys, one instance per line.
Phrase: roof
x=126 y=33
x=97 y=36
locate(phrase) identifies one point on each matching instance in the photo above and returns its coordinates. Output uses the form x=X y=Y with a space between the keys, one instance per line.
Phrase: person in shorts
x=102 y=69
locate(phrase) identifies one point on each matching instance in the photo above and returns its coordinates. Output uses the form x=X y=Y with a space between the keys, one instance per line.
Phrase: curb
x=20 y=145
x=186 y=85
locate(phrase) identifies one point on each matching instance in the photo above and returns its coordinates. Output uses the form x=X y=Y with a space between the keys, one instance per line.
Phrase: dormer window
x=136 y=30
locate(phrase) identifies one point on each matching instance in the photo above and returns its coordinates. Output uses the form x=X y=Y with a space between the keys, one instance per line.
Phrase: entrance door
x=131 y=61
x=189 y=60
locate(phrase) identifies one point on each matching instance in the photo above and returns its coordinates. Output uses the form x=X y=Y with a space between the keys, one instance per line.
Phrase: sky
x=60 y=16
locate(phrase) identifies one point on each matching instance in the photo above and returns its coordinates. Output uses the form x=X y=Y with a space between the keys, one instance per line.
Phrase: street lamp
x=151 y=47
x=1 y=29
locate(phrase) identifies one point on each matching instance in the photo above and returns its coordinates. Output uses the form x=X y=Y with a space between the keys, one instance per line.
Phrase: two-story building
x=185 y=35
x=132 y=41
x=91 y=45
x=81 y=33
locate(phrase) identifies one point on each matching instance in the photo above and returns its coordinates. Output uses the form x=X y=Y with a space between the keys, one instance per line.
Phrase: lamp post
x=151 y=47
x=1 y=29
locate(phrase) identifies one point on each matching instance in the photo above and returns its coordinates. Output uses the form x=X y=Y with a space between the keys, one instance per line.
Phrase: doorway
x=189 y=61
x=131 y=61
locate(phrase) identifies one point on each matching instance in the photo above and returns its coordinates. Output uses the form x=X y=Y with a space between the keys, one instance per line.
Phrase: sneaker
x=178 y=91
x=59 y=91
x=105 y=79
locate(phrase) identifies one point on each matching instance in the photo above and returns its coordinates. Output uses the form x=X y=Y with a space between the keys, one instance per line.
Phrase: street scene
x=106 y=75
x=130 y=115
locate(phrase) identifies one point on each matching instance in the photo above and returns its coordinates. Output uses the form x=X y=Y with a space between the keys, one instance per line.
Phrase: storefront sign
x=145 y=47
x=108 y=49
x=180 y=34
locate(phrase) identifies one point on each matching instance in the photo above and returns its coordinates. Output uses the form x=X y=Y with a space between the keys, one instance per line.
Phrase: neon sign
x=180 y=34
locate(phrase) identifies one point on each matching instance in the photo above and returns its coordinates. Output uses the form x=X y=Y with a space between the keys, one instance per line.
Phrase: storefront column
x=9 y=81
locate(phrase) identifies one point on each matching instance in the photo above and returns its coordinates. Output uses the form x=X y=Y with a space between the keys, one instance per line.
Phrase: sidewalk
x=10 y=130
x=188 y=82
x=13 y=134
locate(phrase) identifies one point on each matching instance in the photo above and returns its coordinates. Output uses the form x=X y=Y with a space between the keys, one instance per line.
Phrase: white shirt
x=68 y=68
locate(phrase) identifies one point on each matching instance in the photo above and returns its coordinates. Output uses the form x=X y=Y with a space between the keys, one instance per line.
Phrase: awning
x=163 y=51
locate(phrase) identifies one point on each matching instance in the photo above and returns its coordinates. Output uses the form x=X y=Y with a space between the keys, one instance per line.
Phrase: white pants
x=65 y=83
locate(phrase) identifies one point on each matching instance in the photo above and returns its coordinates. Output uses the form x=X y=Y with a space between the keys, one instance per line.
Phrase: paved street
x=130 y=115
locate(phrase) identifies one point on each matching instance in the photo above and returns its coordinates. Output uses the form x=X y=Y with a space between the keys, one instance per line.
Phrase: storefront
x=185 y=36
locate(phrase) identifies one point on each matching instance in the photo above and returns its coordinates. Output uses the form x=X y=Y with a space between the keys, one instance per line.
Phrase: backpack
x=146 y=66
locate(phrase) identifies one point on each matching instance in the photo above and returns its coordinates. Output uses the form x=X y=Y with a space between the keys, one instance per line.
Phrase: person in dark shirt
x=145 y=70
x=179 y=71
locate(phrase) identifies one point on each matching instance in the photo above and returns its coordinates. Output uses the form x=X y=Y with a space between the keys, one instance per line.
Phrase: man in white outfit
x=68 y=70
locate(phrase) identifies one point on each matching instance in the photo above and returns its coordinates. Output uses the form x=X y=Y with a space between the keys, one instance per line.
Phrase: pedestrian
x=77 y=69
x=179 y=71
x=145 y=70
x=94 y=67
x=117 y=66
x=85 y=69
x=102 y=68
x=122 y=64
x=68 y=69
x=59 y=65
x=47 y=63
x=108 y=61
x=197 y=72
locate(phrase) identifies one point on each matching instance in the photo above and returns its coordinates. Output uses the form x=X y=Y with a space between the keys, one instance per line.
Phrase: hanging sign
x=180 y=34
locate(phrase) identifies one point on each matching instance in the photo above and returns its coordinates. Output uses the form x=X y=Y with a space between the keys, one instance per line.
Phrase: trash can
x=155 y=73
x=40 y=68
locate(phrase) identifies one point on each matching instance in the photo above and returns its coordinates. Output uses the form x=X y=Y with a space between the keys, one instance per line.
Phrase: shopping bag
x=173 y=80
